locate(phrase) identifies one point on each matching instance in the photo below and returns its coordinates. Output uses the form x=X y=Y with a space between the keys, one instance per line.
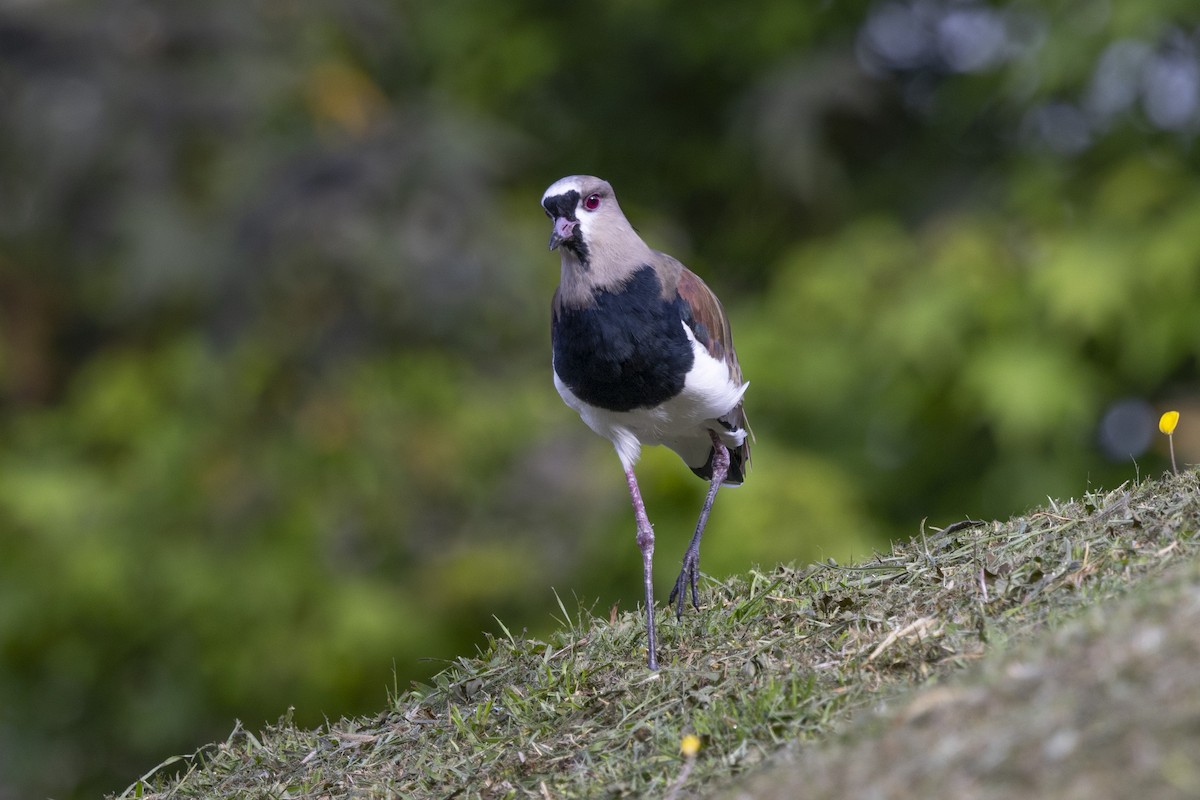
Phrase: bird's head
x=581 y=207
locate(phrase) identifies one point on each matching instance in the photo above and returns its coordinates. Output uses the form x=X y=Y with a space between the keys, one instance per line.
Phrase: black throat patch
x=564 y=205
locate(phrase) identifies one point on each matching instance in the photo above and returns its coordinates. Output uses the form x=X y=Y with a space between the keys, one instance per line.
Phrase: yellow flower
x=1168 y=421
x=690 y=745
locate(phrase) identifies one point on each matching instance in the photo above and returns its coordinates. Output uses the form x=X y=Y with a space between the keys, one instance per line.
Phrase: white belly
x=681 y=423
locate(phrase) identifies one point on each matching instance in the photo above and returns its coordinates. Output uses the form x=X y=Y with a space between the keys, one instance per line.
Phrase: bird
x=642 y=350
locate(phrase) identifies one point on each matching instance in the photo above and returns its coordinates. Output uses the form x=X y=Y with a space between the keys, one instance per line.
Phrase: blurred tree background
x=276 y=419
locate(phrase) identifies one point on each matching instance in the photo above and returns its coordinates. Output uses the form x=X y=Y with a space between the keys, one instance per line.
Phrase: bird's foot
x=687 y=579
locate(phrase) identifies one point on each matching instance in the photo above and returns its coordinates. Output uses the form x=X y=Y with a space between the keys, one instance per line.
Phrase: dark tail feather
x=739 y=465
x=739 y=457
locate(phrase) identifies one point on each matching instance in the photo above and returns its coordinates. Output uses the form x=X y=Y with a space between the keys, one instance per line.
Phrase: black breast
x=628 y=350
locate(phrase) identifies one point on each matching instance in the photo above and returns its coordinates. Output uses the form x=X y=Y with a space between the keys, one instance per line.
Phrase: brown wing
x=705 y=316
x=707 y=320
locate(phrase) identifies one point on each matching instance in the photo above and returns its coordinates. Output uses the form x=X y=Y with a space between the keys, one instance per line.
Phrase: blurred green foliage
x=275 y=408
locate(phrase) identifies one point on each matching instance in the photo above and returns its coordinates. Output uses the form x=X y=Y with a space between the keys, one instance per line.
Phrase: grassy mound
x=1054 y=652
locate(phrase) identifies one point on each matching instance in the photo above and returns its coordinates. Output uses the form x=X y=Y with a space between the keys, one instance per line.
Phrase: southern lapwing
x=643 y=351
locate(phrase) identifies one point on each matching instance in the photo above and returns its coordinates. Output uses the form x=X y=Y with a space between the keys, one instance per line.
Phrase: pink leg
x=691 y=557
x=645 y=541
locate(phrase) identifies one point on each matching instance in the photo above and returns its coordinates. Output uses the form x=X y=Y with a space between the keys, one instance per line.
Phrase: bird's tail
x=737 y=428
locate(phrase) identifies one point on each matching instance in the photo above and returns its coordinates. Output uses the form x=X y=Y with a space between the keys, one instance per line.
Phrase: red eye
x=592 y=202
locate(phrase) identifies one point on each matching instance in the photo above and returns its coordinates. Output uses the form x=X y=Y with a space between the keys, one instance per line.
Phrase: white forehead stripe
x=562 y=186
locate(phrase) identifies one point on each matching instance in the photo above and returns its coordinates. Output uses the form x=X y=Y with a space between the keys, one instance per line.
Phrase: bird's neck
x=576 y=283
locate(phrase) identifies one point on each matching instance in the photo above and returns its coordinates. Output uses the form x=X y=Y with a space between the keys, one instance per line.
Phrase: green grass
x=1000 y=635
